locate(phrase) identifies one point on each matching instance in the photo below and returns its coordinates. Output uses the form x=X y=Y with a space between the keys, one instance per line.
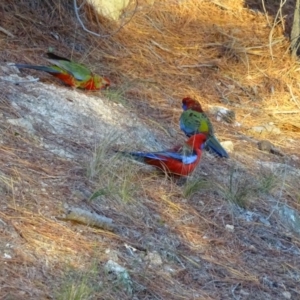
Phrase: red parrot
x=193 y=120
x=71 y=73
x=181 y=160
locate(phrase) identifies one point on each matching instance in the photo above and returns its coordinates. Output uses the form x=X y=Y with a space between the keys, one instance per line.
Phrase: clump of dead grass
x=112 y=177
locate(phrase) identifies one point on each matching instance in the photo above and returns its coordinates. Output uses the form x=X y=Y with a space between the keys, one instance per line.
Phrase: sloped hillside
x=228 y=231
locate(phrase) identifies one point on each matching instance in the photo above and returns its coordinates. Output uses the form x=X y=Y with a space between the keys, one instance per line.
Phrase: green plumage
x=193 y=122
x=78 y=71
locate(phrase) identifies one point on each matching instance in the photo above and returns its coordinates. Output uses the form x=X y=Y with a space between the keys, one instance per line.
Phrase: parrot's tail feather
x=56 y=57
x=40 y=68
x=141 y=156
x=214 y=145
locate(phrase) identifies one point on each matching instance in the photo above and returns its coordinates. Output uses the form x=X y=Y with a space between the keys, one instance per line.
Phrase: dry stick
x=233 y=290
x=76 y=9
x=270 y=38
x=278 y=112
x=160 y=47
x=293 y=97
x=199 y=66
x=88 y=218
x=217 y=3
x=265 y=11
x=280 y=14
x=274 y=25
x=6 y=32
x=295 y=31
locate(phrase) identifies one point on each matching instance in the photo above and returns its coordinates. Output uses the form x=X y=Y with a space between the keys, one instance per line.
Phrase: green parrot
x=193 y=120
x=71 y=73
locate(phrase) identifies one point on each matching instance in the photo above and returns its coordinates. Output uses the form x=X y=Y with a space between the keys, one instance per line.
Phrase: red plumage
x=181 y=160
x=189 y=103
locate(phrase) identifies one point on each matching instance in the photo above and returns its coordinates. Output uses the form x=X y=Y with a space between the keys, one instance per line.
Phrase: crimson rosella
x=193 y=120
x=71 y=73
x=181 y=160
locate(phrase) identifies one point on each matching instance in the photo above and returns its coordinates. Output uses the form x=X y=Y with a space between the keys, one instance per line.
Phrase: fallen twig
x=276 y=112
x=6 y=32
x=88 y=218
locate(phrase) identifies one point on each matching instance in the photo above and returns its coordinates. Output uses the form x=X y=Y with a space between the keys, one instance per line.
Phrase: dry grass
x=215 y=51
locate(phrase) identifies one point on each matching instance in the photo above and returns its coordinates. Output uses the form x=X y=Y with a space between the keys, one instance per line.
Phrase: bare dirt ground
x=230 y=231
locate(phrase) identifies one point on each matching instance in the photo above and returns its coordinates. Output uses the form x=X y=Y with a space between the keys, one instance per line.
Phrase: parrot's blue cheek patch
x=184 y=107
x=187 y=160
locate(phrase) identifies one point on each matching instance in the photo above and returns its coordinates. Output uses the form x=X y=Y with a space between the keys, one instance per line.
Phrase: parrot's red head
x=99 y=82
x=105 y=83
x=189 y=103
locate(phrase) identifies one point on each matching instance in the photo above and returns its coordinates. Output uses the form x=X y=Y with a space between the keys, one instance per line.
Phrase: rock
x=244 y=293
x=46 y=109
x=154 y=259
x=112 y=255
x=290 y=218
x=7 y=256
x=267 y=146
x=121 y=273
x=229 y=228
x=223 y=114
x=169 y=269
x=294 y=157
x=269 y=128
x=228 y=145
x=112 y=266
x=25 y=123
x=109 y=8
x=287 y=295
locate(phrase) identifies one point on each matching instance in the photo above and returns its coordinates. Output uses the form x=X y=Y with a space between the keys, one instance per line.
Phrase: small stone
x=112 y=266
x=223 y=114
x=228 y=145
x=264 y=221
x=7 y=256
x=290 y=218
x=287 y=295
x=252 y=248
x=265 y=145
x=169 y=269
x=22 y=123
x=112 y=255
x=244 y=293
x=229 y=228
x=154 y=258
x=270 y=128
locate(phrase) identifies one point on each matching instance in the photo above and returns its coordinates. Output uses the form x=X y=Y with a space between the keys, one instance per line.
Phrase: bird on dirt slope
x=193 y=120
x=181 y=160
x=71 y=73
